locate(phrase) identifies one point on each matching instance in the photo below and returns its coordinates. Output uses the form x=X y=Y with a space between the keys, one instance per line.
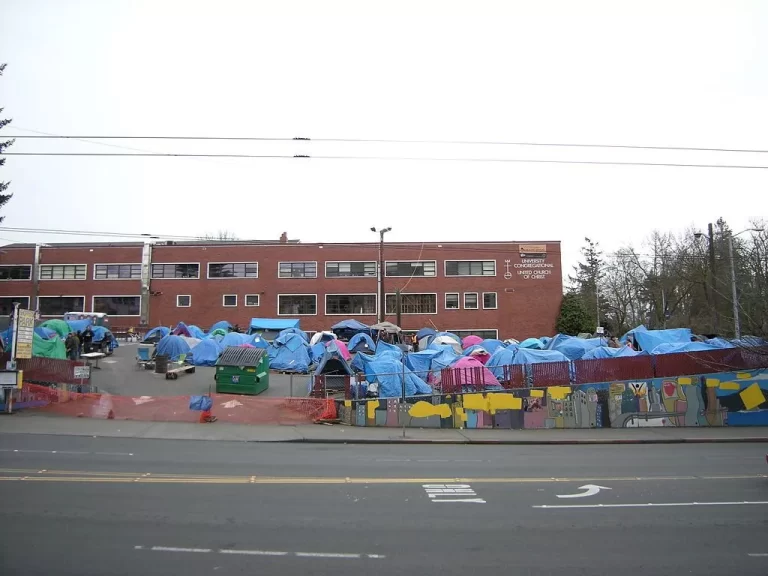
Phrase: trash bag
x=200 y=403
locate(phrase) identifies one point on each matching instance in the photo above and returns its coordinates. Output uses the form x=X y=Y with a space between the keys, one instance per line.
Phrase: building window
x=409 y=268
x=452 y=301
x=229 y=300
x=60 y=305
x=7 y=302
x=470 y=301
x=63 y=271
x=234 y=270
x=412 y=304
x=16 y=272
x=117 y=272
x=296 y=304
x=348 y=269
x=118 y=305
x=297 y=270
x=160 y=271
x=251 y=299
x=489 y=301
x=484 y=334
x=183 y=301
x=350 y=304
x=470 y=267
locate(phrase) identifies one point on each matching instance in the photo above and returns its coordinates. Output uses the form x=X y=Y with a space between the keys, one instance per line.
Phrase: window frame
x=28 y=266
x=27 y=298
x=375 y=299
x=183 y=296
x=41 y=279
x=386 y=275
x=60 y=296
x=469 y=332
x=139 y=264
x=93 y=304
x=374 y=262
x=295 y=314
x=258 y=301
x=209 y=277
x=458 y=300
x=224 y=301
x=305 y=262
x=495 y=301
x=387 y=313
x=152 y=277
x=445 y=270
x=477 y=301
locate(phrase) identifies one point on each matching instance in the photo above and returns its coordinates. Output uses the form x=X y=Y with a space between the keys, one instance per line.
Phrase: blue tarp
x=316 y=352
x=206 y=353
x=626 y=336
x=298 y=331
x=491 y=345
x=156 y=333
x=501 y=357
x=223 y=324
x=196 y=332
x=449 y=334
x=650 y=339
x=258 y=342
x=533 y=344
x=749 y=341
x=233 y=339
x=44 y=333
x=79 y=325
x=351 y=326
x=421 y=362
x=545 y=340
x=361 y=342
x=388 y=373
x=273 y=324
x=425 y=332
x=602 y=352
x=474 y=348
x=529 y=356
x=445 y=357
x=332 y=361
x=173 y=346
x=361 y=360
x=572 y=347
x=289 y=353
x=182 y=330
x=672 y=348
x=381 y=346
x=720 y=343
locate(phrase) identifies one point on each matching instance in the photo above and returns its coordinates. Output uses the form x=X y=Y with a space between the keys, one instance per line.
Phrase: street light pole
x=380 y=271
x=734 y=295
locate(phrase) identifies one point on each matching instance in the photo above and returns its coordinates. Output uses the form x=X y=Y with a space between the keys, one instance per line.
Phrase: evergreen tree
x=574 y=317
x=3 y=145
x=586 y=279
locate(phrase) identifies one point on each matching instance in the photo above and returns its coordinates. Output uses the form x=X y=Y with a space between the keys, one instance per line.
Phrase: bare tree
x=221 y=236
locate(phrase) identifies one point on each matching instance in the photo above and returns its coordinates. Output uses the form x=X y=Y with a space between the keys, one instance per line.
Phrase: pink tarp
x=469 y=370
x=342 y=346
x=470 y=340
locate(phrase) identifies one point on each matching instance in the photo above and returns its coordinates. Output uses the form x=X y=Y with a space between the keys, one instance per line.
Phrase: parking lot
x=119 y=374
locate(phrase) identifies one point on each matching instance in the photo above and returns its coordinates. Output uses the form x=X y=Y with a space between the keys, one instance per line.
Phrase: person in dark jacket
x=87 y=339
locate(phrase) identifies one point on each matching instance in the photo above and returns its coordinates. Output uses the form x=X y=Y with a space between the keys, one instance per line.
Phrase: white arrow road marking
x=142 y=400
x=232 y=404
x=591 y=490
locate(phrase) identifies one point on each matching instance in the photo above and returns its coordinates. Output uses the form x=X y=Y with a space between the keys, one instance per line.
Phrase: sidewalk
x=30 y=423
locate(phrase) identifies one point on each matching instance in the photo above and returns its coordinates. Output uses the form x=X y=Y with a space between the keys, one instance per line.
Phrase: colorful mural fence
x=718 y=399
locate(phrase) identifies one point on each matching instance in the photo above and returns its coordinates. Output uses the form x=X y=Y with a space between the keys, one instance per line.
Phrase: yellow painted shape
x=752 y=396
x=461 y=416
x=424 y=410
x=713 y=382
x=503 y=402
x=558 y=392
x=537 y=393
x=348 y=403
x=475 y=402
x=684 y=381
x=729 y=386
x=371 y=408
x=743 y=375
x=617 y=387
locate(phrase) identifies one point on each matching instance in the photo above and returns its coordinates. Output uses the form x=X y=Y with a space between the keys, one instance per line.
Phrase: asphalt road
x=119 y=375
x=103 y=506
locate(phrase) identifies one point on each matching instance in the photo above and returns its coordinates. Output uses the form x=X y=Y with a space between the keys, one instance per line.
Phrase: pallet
x=173 y=373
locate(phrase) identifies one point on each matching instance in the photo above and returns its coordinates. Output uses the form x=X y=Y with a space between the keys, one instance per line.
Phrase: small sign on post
x=82 y=372
x=25 y=330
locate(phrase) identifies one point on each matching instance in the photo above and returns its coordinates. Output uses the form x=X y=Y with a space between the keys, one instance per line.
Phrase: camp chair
x=182 y=359
x=143 y=358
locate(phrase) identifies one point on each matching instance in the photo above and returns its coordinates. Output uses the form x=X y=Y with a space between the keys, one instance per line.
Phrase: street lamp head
x=387 y=229
x=698 y=235
x=758 y=230
x=373 y=228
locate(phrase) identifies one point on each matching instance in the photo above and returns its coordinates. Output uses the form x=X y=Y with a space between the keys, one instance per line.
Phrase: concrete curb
x=746 y=440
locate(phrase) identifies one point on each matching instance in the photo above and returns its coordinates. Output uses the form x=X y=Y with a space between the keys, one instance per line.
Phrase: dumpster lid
x=241 y=356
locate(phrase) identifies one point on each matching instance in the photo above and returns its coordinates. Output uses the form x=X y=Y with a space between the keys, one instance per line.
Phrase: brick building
x=509 y=289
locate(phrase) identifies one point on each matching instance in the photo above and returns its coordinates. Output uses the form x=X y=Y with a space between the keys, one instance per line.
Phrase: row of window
x=392 y=269
x=59 y=305
x=350 y=304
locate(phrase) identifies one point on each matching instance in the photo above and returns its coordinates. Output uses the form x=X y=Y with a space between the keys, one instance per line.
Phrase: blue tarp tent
x=361 y=342
x=572 y=347
x=532 y=344
x=206 y=353
x=425 y=332
x=626 y=336
x=671 y=348
x=156 y=334
x=316 y=352
x=360 y=360
x=100 y=333
x=388 y=373
x=750 y=341
x=450 y=335
x=79 y=325
x=529 y=356
x=196 y=331
x=46 y=333
x=332 y=361
x=346 y=329
x=445 y=357
x=289 y=353
x=545 y=340
x=298 y=331
x=234 y=339
x=258 y=342
x=271 y=327
x=500 y=358
x=222 y=324
x=650 y=339
x=381 y=346
x=491 y=345
x=421 y=362
x=602 y=352
x=173 y=347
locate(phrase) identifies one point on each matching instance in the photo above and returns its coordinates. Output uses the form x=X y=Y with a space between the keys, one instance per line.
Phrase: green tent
x=53 y=348
x=217 y=332
x=59 y=326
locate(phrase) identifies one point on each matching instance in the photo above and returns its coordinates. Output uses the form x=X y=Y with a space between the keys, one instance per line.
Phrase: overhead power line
x=46 y=136
x=391 y=158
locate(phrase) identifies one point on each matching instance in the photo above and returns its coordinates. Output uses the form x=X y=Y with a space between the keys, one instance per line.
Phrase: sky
x=649 y=73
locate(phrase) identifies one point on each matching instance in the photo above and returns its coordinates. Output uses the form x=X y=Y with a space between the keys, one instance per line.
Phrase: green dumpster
x=242 y=371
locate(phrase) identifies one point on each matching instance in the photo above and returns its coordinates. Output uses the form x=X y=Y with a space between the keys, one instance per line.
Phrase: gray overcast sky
x=642 y=72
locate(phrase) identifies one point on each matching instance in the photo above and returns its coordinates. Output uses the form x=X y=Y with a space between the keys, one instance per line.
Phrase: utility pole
x=398 y=303
x=734 y=294
x=713 y=279
x=380 y=271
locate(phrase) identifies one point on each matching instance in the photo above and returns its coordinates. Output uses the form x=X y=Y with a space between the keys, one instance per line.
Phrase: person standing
x=87 y=339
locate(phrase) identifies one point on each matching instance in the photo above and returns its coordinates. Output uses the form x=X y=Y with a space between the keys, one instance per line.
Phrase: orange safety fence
x=230 y=408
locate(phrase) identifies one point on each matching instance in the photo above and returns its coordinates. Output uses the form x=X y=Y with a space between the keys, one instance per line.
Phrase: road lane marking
x=243 y=552
x=254 y=552
x=591 y=490
x=758 y=555
x=67 y=452
x=325 y=555
x=652 y=505
x=452 y=493
x=172 y=549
